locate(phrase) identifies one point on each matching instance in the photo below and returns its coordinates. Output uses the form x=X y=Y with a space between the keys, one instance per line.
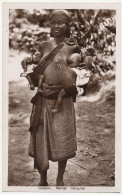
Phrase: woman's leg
x=43 y=179
x=61 y=170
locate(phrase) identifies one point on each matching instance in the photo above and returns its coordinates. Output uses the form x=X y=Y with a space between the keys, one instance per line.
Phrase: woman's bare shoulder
x=72 y=43
x=43 y=45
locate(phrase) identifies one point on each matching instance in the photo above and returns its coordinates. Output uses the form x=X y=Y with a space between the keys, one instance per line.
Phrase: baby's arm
x=25 y=62
x=25 y=65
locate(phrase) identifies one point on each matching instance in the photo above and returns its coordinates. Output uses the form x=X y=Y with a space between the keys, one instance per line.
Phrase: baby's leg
x=61 y=94
x=41 y=78
x=27 y=72
x=59 y=101
x=32 y=86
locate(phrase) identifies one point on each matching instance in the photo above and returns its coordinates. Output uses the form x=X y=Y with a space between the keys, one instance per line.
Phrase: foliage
x=27 y=29
x=90 y=28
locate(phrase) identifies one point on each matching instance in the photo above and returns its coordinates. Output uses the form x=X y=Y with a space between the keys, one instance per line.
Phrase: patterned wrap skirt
x=55 y=135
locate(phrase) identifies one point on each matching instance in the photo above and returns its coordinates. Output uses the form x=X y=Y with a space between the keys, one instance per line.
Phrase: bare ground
x=94 y=163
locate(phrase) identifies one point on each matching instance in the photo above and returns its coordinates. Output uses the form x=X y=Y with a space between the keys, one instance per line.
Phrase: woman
x=53 y=136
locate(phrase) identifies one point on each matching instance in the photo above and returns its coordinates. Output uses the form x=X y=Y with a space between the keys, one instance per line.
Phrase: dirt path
x=94 y=162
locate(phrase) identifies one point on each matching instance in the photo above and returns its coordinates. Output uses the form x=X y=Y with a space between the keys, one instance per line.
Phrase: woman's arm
x=77 y=49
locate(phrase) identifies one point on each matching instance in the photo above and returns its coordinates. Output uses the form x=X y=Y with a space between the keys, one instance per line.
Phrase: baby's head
x=74 y=60
x=37 y=56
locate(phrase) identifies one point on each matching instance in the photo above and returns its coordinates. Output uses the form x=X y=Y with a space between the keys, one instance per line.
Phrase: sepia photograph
x=61 y=100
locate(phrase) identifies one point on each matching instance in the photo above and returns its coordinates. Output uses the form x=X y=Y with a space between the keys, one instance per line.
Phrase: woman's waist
x=49 y=91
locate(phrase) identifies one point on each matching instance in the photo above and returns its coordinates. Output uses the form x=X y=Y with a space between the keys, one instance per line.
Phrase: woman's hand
x=72 y=90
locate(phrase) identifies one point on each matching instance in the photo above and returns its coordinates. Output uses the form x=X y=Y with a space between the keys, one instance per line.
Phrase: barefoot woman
x=53 y=135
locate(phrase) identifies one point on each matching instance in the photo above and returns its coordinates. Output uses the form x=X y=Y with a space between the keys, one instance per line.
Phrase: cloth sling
x=42 y=65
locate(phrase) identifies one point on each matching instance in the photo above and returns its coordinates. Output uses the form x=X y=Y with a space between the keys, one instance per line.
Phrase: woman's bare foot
x=59 y=182
x=61 y=170
x=43 y=183
x=43 y=179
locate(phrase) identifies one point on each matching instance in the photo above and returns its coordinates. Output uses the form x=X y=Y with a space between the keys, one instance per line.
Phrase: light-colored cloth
x=82 y=76
x=80 y=90
x=28 y=71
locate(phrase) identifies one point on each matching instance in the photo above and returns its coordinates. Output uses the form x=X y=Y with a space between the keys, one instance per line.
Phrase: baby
x=82 y=74
x=74 y=60
x=34 y=80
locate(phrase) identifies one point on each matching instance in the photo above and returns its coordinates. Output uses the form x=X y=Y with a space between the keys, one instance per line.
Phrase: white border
x=63 y=5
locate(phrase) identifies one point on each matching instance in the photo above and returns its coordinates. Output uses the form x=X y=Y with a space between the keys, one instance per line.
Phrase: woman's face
x=59 y=28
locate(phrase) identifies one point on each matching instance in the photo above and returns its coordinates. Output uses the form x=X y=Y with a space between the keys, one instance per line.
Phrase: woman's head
x=60 y=23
